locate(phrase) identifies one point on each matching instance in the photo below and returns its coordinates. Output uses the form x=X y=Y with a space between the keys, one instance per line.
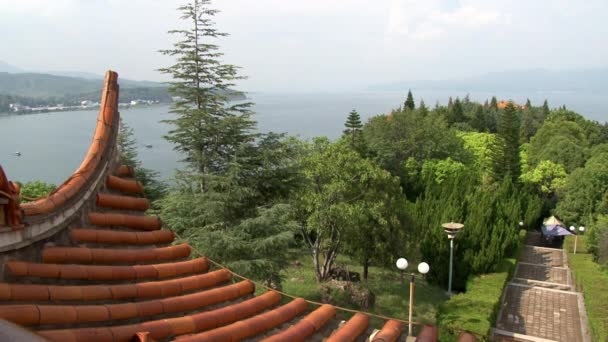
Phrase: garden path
x=540 y=302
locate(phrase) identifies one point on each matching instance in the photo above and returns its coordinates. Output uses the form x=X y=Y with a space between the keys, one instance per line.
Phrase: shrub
x=475 y=310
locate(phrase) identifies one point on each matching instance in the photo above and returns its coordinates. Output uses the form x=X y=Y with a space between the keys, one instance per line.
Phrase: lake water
x=52 y=145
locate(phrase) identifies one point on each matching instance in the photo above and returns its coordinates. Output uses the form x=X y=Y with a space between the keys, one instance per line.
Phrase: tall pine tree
x=508 y=131
x=353 y=132
x=353 y=123
x=546 y=110
x=409 y=102
x=231 y=200
x=494 y=103
x=479 y=120
x=456 y=113
x=423 y=108
x=208 y=129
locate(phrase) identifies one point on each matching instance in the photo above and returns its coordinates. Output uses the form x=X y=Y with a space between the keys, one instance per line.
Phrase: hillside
x=45 y=85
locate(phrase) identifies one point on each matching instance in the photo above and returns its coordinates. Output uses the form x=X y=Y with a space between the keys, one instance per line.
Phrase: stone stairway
x=122 y=278
x=540 y=302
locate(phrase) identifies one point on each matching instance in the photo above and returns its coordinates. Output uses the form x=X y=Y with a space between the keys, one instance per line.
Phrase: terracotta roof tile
x=390 y=332
x=252 y=326
x=122 y=202
x=125 y=171
x=353 y=328
x=29 y=292
x=306 y=326
x=125 y=220
x=21 y=314
x=124 y=185
x=85 y=255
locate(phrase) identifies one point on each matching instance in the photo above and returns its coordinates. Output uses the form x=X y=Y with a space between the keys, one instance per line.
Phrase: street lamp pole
x=423 y=268
x=451 y=229
x=409 y=326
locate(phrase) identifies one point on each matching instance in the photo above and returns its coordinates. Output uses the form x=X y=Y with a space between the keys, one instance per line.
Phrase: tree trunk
x=365 y=268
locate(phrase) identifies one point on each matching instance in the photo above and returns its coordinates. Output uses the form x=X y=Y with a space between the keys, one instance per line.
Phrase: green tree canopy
x=348 y=203
x=585 y=191
x=560 y=141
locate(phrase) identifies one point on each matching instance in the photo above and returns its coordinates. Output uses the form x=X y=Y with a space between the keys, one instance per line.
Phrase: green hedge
x=476 y=309
x=592 y=280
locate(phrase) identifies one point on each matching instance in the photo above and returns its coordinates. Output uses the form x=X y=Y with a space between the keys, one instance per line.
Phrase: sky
x=313 y=45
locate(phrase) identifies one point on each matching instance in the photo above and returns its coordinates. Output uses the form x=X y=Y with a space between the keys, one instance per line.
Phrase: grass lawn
x=592 y=280
x=392 y=297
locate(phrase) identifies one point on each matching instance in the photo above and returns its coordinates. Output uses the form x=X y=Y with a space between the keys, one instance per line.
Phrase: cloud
x=37 y=7
x=431 y=19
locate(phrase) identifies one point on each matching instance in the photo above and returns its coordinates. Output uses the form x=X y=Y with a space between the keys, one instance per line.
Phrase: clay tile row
x=307 y=326
x=106 y=273
x=91 y=162
x=33 y=314
x=122 y=202
x=85 y=255
x=254 y=325
x=115 y=237
x=125 y=171
x=428 y=333
x=390 y=332
x=164 y=328
x=124 y=185
x=86 y=293
x=351 y=330
x=125 y=220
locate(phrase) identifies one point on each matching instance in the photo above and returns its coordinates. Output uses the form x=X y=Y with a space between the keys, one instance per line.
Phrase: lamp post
x=581 y=229
x=451 y=229
x=423 y=268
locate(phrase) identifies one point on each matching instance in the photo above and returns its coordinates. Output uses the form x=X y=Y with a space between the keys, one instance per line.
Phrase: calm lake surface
x=52 y=145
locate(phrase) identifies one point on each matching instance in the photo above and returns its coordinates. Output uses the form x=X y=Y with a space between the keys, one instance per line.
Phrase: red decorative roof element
x=10 y=214
x=106 y=120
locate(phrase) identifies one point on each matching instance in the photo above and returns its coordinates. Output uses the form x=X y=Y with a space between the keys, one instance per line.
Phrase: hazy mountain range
x=590 y=80
x=16 y=81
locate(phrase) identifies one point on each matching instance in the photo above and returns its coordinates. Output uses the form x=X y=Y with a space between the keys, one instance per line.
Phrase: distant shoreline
x=83 y=109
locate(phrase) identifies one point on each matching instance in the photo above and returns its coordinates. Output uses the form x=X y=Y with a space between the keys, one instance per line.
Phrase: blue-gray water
x=53 y=145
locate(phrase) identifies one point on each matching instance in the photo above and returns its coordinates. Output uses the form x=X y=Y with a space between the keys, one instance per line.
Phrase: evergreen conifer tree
x=546 y=110
x=208 y=129
x=486 y=104
x=508 y=131
x=409 y=102
x=353 y=123
x=353 y=132
x=450 y=103
x=528 y=104
x=423 y=109
x=494 y=103
x=231 y=200
x=456 y=113
x=479 y=120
